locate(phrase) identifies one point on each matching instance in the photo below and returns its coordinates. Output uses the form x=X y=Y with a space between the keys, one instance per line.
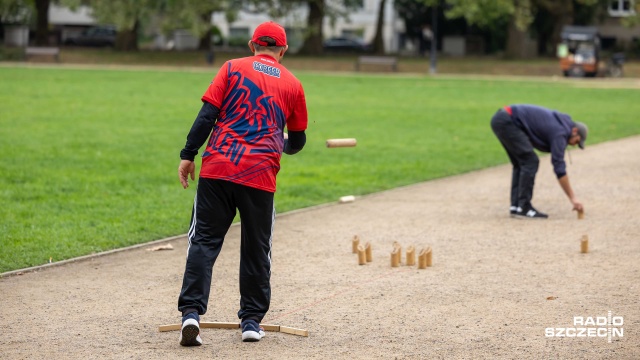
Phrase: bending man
x=520 y=129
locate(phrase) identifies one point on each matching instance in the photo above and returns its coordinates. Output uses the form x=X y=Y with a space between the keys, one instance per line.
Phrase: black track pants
x=213 y=212
x=525 y=161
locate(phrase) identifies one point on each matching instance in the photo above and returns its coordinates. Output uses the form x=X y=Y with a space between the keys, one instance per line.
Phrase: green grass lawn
x=88 y=158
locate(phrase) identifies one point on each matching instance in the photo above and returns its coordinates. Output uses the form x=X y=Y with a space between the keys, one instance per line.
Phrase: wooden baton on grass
x=334 y=143
x=346 y=199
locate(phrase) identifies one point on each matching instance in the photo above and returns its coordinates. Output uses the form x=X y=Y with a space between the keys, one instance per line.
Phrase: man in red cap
x=244 y=114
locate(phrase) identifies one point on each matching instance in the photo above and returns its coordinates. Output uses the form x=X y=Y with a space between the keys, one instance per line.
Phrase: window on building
x=239 y=32
x=622 y=8
x=238 y=36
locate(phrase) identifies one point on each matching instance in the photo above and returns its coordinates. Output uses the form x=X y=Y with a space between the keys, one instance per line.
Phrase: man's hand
x=564 y=183
x=577 y=205
x=185 y=168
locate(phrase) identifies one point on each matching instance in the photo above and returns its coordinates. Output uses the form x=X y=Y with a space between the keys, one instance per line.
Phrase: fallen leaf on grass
x=161 y=247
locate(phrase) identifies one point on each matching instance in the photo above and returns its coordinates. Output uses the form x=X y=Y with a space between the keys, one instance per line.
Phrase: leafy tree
x=16 y=11
x=484 y=12
x=544 y=18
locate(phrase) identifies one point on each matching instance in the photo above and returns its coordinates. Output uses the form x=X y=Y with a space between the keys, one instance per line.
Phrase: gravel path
x=496 y=284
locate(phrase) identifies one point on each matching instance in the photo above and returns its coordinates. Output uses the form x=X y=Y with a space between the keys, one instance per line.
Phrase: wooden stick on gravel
x=233 y=325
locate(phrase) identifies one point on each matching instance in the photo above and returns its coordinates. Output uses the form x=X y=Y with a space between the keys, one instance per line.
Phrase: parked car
x=95 y=36
x=346 y=44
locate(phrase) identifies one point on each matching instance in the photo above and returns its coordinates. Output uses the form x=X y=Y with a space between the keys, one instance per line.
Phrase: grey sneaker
x=251 y=331
x=190 y=333
x=529 y=212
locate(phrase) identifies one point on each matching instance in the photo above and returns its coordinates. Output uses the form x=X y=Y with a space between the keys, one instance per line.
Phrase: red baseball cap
x=272 y=30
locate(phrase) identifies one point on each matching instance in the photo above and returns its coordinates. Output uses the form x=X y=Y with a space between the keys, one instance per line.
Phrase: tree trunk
x=127 y=39
x=205 y=38
x=519 y=43
x=378 y=40
x=313 y=42
x=42 y=22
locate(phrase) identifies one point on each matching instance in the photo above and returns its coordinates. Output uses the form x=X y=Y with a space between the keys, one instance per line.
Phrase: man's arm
x=566 y=187
x=200 y=131
x=558 y=146
x=198 y=134
x=294 y=142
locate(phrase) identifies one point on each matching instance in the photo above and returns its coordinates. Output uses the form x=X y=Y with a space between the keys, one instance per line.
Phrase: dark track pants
x=525 y=161
x=213 y=212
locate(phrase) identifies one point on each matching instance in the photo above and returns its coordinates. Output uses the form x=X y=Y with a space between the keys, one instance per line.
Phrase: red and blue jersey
x=257 y=98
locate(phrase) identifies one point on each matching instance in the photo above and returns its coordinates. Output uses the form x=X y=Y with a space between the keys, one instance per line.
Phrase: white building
x=67 y=23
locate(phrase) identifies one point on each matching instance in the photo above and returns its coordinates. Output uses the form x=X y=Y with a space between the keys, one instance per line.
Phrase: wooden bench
x=377 y=60
x=42 y=51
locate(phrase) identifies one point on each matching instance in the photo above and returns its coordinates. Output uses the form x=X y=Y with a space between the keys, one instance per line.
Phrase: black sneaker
x=529 y=213
x=251 y=331
x=513 y=210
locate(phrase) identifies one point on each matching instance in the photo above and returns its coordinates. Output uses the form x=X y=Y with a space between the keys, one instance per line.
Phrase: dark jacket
x=548 y=130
